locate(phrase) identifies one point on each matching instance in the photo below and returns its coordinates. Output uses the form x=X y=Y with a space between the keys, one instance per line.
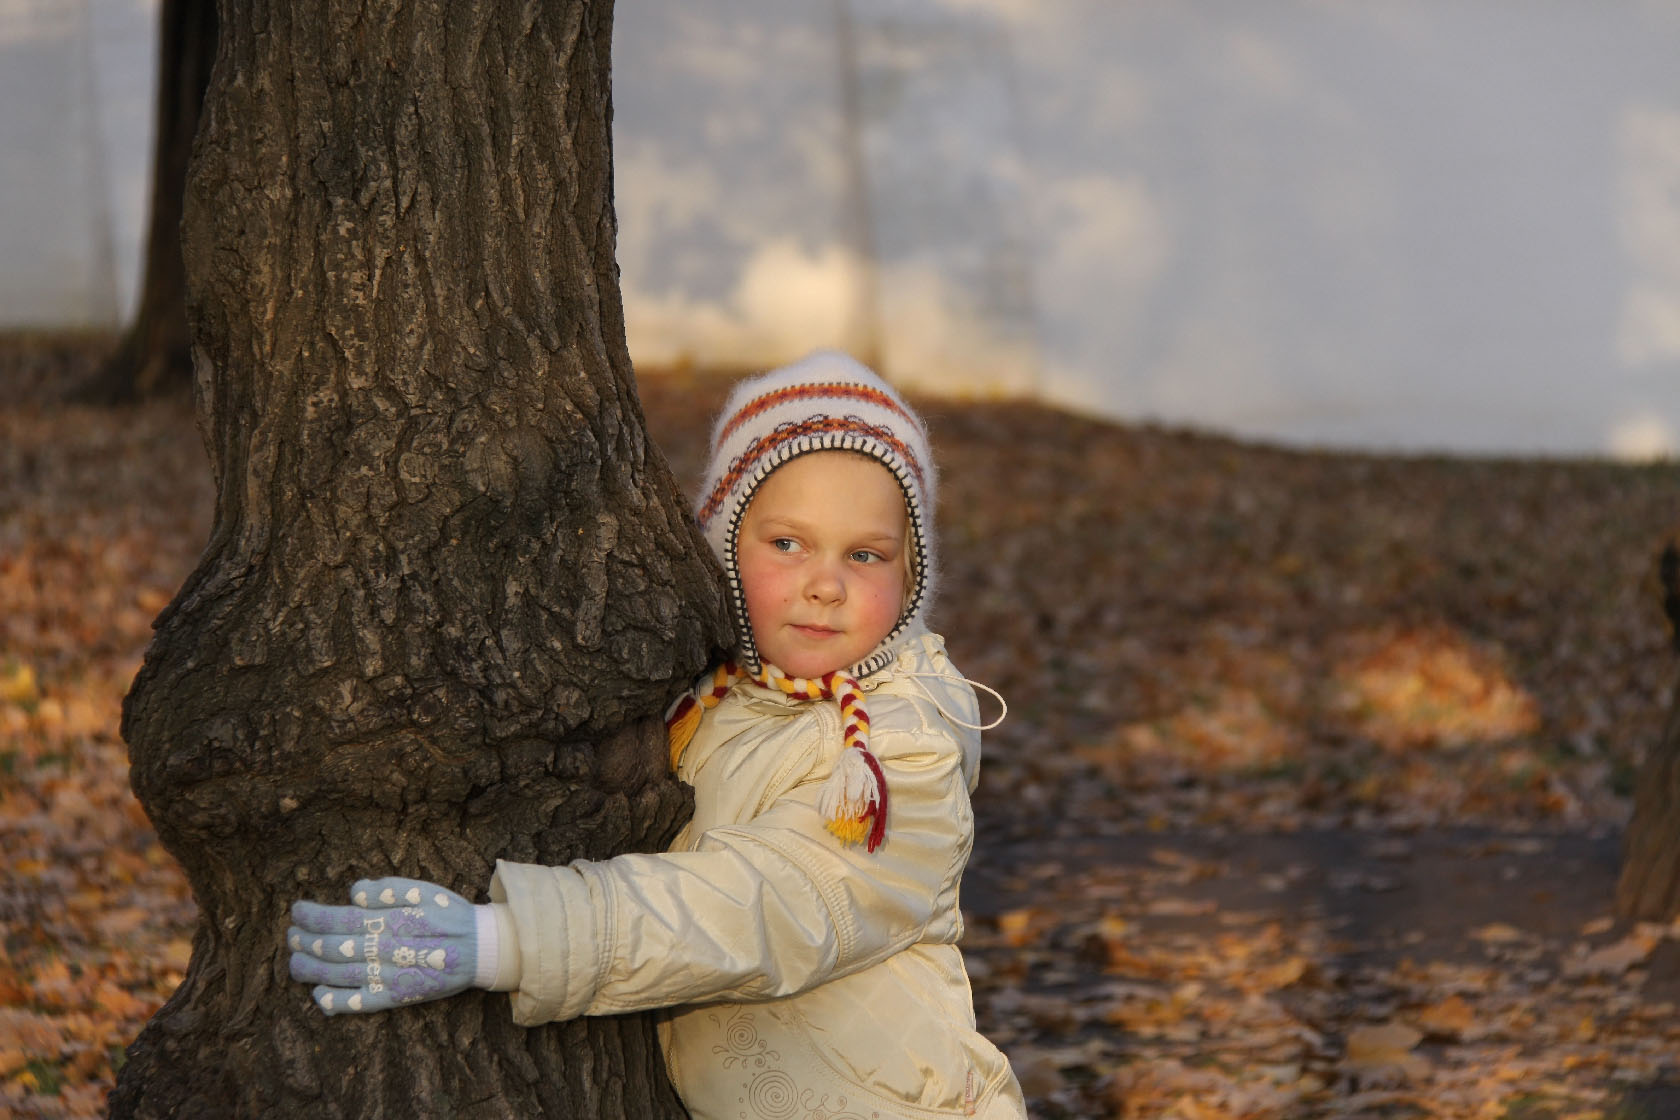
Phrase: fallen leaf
x=1166 y=857
x=1613 y=959
x=121 y=922
x=1386 y=1047
x=1115 y=543
x=1191 y=1108
x=1180 y=907
x=1452 y=1018
x=176 y=954
x=1273 y=977
x=120 y=1002
x=1017 y=927
x=17 y=684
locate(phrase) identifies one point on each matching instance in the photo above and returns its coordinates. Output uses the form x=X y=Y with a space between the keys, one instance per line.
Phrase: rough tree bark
x=449 y=587
x=154 y=354
x=1649 y=888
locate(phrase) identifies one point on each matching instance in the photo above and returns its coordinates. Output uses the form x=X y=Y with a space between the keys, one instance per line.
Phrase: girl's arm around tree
x=756 y=911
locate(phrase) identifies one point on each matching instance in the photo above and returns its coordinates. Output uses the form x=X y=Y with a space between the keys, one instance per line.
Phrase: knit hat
x=825 y=402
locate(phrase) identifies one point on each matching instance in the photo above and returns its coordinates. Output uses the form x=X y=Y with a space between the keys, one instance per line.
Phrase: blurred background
x=1396 y=225
x=1311 y=798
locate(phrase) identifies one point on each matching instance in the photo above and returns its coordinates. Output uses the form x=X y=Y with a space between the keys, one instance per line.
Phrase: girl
x=802 y=929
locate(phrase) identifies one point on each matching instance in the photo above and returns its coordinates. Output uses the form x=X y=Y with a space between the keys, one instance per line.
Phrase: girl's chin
x=809 y=670
x=802 y=663
x=812 y=653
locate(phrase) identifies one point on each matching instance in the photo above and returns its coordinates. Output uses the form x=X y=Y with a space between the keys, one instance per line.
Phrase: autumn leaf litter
x=1306 y=806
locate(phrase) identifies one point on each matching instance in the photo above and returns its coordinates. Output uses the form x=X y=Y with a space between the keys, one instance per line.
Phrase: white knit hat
x=824 y=402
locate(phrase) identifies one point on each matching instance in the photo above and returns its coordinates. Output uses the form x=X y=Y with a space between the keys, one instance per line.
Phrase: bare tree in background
x=450 y=586
x=154 y=355
x=1649 y=888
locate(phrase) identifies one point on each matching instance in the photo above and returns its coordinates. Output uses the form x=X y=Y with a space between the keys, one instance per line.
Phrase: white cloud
x=786 y=302
x=1644 y=436
x=657 y=197
x=789 y=300
x=1648 y=332
x=25 y=21
x=1264 y=64
x=1104 y=244
x=935 y=338
x=791 y=293
x=1101 y=232
x=733 y=46
x=1020 y=13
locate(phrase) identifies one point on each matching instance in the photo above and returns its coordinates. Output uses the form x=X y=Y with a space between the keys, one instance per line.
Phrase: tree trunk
x=449 y=588
x=1649 y=888
x=154 y=355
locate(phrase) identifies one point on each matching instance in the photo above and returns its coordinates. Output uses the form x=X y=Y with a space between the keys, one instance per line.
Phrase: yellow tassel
x=850 y=830
x=679 y=731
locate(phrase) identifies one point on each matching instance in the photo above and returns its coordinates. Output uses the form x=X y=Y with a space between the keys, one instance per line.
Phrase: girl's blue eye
x=783 y=544
x=864 y=556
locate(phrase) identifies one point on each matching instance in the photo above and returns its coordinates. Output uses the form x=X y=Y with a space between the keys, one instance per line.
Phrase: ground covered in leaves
x=1307 y=804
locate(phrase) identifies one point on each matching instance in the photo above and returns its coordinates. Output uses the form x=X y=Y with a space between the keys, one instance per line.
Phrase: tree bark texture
x=1649 y=887
x=449 y=587
x=154 y=354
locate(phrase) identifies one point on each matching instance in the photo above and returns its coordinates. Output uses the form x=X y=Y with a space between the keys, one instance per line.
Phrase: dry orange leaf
x=1190 y=1108
x=119 y=1001
x=25 y=1035
x=1451 y=1018
x=177 y=954
x=1167 y=857
x=1386 y=1046
x=17 y=684
x=119 y=923
x=1123 y=962
x=151 y=600
x=1613 y=959
x=1180 y=907
x=1280 y=975
x=1016 y=926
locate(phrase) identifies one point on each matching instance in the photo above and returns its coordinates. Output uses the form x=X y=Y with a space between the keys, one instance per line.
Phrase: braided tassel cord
x=853 y=800
x=683 y=718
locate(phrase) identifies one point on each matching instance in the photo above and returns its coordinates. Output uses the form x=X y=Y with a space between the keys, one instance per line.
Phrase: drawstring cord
x=1004 y=704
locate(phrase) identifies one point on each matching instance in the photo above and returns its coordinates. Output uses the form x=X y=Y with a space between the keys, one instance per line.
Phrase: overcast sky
x=1391 y=224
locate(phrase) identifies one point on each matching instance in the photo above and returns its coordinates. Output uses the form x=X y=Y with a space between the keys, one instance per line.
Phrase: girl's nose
x=825 y=586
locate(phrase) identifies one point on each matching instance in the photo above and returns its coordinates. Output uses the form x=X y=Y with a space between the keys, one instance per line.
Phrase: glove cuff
x=497 y=967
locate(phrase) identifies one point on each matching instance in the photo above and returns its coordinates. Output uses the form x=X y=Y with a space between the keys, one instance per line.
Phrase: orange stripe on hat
x=828 y=390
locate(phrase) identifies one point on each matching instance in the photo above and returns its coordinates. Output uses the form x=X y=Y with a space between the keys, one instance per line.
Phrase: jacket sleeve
x=756 y=911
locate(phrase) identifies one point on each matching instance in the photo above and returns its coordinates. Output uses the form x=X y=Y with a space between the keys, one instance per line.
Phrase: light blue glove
x=404 y=941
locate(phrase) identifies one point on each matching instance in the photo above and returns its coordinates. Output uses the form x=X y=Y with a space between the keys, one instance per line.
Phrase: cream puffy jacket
x=807 y=978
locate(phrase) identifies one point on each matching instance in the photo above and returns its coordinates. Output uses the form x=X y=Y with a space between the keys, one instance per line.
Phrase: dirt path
x=1325 y=973
x=1387 y=894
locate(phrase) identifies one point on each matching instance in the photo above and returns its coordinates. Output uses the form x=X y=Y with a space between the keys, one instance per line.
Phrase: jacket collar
x=909 y=652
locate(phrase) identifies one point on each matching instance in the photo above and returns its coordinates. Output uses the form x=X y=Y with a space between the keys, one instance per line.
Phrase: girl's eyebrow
x=781 y=521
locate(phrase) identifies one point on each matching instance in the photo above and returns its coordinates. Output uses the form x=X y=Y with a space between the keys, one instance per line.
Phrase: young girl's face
x=822 y=557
